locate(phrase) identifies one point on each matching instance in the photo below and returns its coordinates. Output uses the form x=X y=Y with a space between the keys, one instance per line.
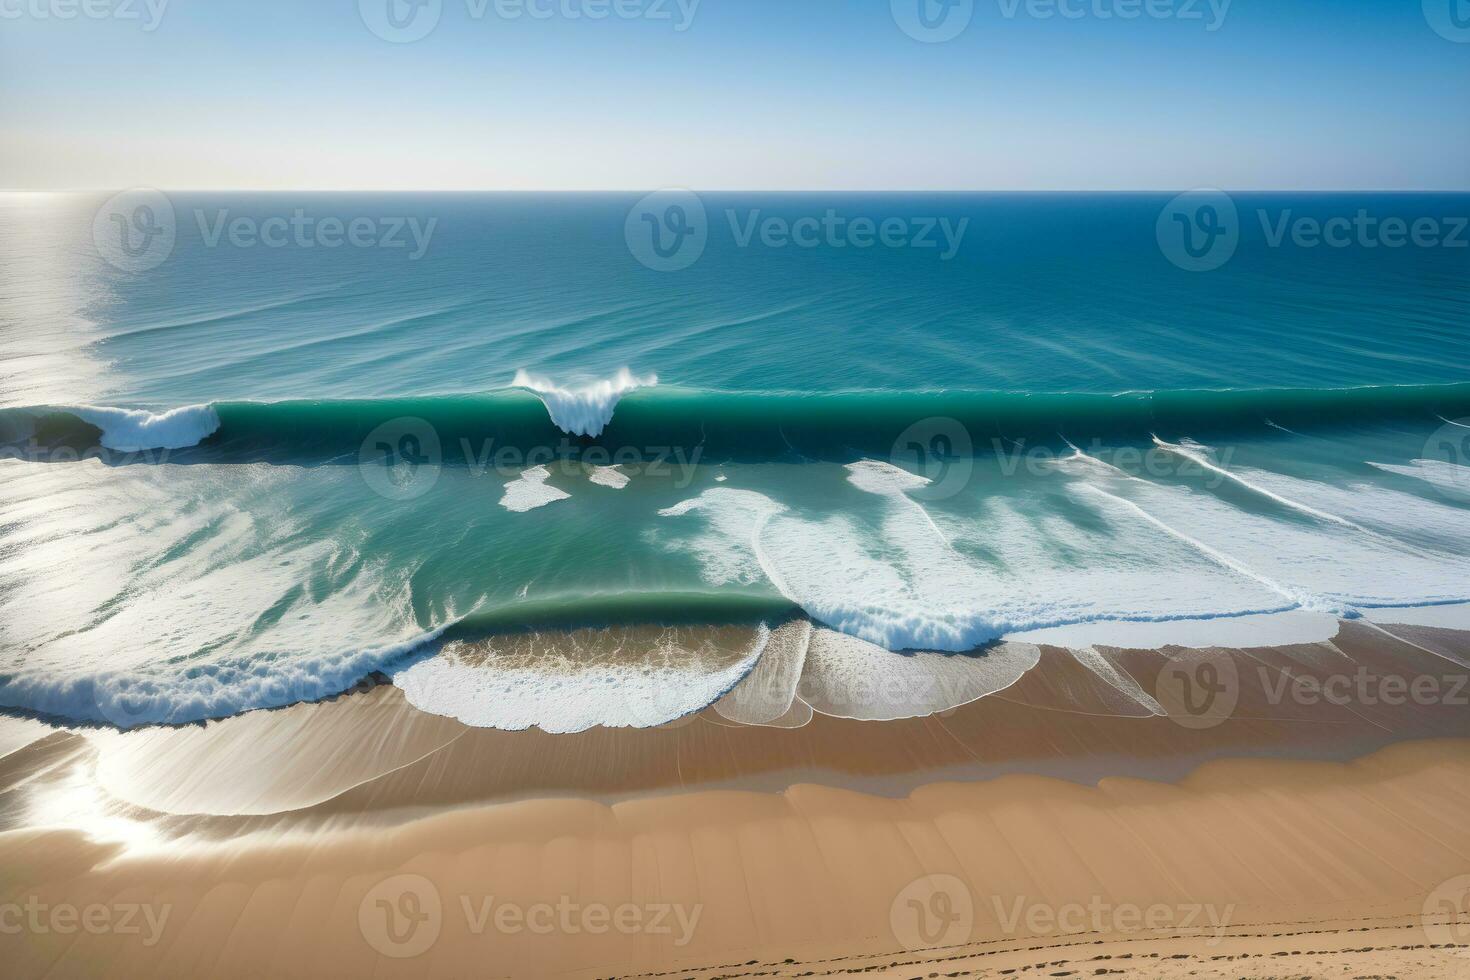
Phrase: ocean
x=568 y=460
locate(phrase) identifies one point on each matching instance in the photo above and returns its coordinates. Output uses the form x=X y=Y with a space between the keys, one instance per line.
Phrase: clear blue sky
x=754 y=94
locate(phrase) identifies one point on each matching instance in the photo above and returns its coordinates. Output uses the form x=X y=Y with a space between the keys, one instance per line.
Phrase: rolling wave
x=625 y=413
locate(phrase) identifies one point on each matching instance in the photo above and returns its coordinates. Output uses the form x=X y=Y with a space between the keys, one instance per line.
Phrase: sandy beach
x=1022 y=834
x=753 y=490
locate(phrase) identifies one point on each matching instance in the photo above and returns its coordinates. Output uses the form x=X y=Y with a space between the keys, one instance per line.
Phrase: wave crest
x=121 y=429
x=586 y=410
x=137 y=431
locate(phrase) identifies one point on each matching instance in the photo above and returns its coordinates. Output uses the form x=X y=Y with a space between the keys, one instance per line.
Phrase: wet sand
x=1035 y=831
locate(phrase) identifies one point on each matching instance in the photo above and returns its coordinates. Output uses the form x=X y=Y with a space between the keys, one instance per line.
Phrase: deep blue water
x=1045 y=292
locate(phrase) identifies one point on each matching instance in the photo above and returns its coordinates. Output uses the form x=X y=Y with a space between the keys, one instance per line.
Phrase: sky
x=735 y=94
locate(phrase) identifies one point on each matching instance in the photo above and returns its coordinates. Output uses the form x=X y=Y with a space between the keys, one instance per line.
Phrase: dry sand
x=1022 y=835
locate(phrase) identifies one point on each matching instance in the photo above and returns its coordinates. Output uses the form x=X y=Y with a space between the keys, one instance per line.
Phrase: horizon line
x=735 y=190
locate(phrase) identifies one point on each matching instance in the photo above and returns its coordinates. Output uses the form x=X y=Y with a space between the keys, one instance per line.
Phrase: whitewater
x=537 y=484
x=269 y=589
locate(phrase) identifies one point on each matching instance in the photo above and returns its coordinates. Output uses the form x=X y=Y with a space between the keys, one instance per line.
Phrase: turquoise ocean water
x=256 y=448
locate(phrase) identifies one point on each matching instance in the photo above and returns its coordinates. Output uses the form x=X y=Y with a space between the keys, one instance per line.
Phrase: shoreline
x=1448 y=622
x=333 y=837
x=1059 y=719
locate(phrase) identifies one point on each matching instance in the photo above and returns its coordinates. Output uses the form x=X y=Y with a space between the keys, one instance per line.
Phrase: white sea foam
x=529 y=491
x=142 y=594
x=585 y=410
x=1160 y=564
x=1297 y=597
x=1198 y=454
x=908 y=588
x=884 y=479
x=211 y=689
x=1387 y=513
x=1257 y=630
x=918 y=594
x=887 y=480
x=155 y=596
x=1338 y=567
x=573 y=682
x=1450 y=616
x=129 y=431
x=1448 y=477
x=732 y=551
x=608 y=476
